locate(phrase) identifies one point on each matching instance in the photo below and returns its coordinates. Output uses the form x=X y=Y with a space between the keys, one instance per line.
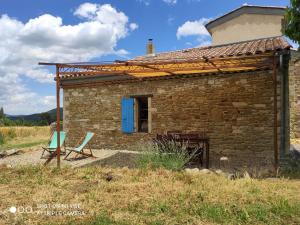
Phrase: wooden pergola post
x=58 y=115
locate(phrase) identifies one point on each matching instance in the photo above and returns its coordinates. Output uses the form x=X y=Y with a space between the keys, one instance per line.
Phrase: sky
x=32 y=31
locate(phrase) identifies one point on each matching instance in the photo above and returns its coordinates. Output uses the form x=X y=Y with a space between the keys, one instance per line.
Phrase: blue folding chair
x=80 y=149
x=52 y=145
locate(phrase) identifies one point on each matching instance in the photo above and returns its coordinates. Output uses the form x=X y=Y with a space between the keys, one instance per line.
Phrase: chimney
x=150 y=47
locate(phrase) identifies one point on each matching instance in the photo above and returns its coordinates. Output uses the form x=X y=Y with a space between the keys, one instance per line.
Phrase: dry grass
x=20 y=137
x=147 y=197
x=24 y=132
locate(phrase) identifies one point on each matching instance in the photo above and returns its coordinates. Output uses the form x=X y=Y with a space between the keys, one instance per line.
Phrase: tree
x=1 y=113
x=292 y=22
x=46 y=117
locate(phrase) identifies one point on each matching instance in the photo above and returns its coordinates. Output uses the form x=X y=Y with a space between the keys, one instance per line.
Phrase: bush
x=291 y=167
x=21 y=122
x=164 y=153
x=168 y=161
x=1 y=139
x=7 y=134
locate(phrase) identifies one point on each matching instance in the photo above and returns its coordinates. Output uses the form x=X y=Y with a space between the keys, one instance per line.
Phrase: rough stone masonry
x=235 y=111
x=294 y=94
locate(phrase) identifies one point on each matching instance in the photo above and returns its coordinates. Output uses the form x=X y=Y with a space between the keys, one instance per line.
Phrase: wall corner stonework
x=294 y=94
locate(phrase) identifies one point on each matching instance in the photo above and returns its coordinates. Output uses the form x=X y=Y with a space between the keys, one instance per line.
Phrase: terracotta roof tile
x=227 y=52
x=252 y=47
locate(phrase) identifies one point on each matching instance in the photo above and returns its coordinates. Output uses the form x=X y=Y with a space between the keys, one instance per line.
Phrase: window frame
x=136 y=112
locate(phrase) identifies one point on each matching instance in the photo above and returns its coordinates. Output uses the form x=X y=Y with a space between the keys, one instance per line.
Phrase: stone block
x=239 y=104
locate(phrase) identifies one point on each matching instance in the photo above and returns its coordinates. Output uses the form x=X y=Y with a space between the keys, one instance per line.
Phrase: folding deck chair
x=79 y=149
x=52 y=145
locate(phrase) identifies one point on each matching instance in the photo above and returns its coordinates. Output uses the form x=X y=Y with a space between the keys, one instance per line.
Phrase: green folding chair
x=52 y=145
x=80 y=149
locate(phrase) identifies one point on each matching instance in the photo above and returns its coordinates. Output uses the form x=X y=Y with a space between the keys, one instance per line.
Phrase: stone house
x=238 y=92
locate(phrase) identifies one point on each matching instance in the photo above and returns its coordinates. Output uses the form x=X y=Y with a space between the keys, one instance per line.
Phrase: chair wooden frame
x=52 y=151
x=81 y=152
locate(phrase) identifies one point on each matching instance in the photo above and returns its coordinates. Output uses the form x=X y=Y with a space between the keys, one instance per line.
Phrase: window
x=135 y=114
x=142 y=114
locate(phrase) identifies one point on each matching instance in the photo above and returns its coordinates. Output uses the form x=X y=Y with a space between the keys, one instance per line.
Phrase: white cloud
x=40 y=75
x=133 y=26
x=193 y=28
x=170 y=2
x=203 y=41
x=86 y=10
x=47 y=38
x=147 y=2
x=170 y=20
x=293 y=43
x=17 y=99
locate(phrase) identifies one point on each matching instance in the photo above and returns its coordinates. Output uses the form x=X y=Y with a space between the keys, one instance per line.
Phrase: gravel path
x=33 y=158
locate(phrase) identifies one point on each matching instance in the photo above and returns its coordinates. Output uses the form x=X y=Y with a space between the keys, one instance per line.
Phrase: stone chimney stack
x=150 y=47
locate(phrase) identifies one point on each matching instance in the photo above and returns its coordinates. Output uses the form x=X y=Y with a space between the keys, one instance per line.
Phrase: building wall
x=234 y=110
x=247 y=27
x=294 y=94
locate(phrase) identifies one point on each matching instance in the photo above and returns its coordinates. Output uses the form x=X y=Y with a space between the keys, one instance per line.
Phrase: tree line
x=45 y=119
x=292 y=22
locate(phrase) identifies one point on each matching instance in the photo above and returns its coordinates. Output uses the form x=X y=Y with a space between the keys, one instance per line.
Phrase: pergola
x=149 y=69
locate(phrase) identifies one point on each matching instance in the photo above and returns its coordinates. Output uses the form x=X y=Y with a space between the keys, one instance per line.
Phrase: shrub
x=154 y=160
x=1 y=139
x=165 y=153
x=291 y=167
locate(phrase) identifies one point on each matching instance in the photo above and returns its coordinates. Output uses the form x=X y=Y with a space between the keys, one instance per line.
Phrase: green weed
x=154 y=161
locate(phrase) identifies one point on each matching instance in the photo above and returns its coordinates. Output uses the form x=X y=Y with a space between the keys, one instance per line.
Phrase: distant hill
x=37 y=116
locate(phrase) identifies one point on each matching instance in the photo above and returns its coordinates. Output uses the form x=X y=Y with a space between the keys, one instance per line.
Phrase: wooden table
x=193 y=141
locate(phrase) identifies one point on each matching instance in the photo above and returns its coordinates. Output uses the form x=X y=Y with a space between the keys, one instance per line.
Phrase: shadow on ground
x=119 y=159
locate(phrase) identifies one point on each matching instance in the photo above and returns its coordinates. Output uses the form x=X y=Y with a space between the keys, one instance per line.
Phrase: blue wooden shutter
x=128 y=115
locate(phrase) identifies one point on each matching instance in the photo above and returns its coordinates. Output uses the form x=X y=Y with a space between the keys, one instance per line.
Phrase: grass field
x=144 y=196
x=23 y=137
x=83 y=196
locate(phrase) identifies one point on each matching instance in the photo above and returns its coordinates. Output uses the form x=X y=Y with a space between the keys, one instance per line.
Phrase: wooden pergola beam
x=151 y=78
x=118 y=63
x=212 y=63
x=172 y=71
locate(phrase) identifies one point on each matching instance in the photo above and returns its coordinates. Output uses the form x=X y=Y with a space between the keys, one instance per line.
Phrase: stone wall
x=294 y=94
x=234 y=110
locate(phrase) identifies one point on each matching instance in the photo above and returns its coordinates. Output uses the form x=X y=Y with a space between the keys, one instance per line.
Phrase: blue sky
x=65 y=30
